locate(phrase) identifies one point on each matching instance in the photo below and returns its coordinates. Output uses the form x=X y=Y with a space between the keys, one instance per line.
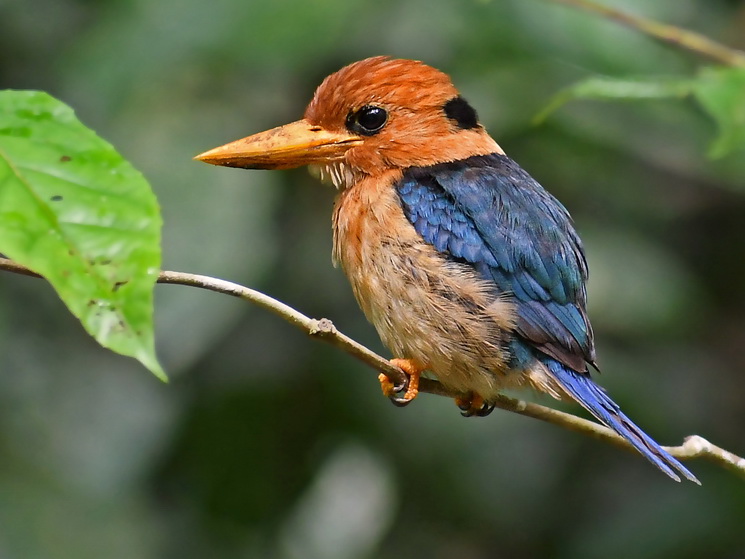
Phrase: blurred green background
x=267 y=444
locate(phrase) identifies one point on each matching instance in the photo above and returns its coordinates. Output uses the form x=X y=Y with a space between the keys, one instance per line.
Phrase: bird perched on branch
x=467 y=267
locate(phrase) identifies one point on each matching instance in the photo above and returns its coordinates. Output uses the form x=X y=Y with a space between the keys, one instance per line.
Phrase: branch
x=323 y=329
x=670 y=34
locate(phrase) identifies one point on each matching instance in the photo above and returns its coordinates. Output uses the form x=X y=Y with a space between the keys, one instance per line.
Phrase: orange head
x=369 y=117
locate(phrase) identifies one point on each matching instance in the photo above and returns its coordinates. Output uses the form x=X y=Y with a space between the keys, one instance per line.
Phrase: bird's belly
x=424 y=306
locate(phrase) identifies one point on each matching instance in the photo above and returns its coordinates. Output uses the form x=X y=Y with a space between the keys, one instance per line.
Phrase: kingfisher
x=467 y=267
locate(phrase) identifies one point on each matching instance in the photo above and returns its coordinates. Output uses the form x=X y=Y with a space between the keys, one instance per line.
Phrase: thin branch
x=698 y=447
x=670 y=34
x=323 y=329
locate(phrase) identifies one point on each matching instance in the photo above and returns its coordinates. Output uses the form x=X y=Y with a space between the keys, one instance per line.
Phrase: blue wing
x=488 y=212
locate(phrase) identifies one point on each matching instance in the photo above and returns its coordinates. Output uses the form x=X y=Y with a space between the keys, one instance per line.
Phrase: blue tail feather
x=581 y=387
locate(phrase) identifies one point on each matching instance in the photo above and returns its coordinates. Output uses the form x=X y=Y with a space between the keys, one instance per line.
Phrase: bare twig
x=698 y=447
x=670 y=34
x=323 y=329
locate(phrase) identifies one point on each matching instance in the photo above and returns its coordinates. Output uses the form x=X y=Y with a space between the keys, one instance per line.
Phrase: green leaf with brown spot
x=73 y=210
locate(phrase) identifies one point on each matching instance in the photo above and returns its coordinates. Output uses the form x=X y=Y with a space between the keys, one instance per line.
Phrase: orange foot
x=413 y=371
x=474 y=404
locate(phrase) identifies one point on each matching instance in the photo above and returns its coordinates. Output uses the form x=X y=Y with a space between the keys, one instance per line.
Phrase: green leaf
x=630 y=89
x=73 y=210
x=721 y=92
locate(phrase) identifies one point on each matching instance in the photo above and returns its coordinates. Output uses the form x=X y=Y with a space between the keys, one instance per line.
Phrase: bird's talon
x=402 y=387
x=409 y=388
x=400 y=402
x=389 y=389
x=485 y=410
x=473 y=404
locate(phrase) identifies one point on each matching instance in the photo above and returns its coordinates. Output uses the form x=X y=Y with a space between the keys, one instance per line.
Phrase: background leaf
x=73 y=210
x=618 y=89
x=721 y=92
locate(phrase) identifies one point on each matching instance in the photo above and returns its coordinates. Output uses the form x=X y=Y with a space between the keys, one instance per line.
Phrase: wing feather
x=488 y=212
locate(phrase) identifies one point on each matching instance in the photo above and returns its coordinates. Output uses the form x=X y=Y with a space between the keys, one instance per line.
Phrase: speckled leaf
x=73 y=210
x=721 y=92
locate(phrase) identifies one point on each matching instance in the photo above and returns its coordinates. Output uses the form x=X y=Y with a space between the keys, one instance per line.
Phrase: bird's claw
x=474 y=405
x=391 y=390
x=400 y=402
x=409 y=388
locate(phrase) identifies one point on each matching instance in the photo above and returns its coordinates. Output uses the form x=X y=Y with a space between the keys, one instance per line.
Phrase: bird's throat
x=338 y=173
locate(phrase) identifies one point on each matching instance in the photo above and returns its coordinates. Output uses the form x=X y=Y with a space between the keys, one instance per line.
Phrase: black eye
x=367 y=121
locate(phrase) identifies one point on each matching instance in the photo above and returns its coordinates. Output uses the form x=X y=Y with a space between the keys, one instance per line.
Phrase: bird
x=466 y=266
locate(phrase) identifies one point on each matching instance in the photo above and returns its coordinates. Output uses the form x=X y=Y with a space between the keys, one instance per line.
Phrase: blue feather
x=581 y=387
x=488 y=212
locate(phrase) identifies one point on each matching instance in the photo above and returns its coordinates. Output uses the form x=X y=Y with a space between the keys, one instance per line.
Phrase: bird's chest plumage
x=425 y=306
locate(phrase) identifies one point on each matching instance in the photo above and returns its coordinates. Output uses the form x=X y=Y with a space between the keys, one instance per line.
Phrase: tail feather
x=582 y=388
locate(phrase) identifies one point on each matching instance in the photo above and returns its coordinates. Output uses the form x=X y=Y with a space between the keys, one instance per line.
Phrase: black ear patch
x=459 y=111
